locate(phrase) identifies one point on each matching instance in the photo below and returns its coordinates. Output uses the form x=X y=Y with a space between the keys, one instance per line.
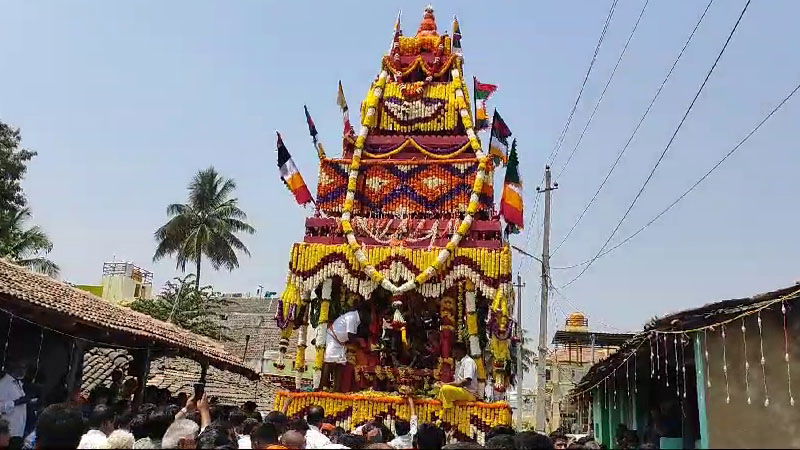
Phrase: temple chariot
x=406 y=233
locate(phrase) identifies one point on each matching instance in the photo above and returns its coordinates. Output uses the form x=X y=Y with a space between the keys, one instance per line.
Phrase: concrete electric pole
x=520 y=337
x=541 y=364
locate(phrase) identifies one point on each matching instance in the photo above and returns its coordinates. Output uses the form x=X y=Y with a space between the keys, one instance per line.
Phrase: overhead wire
x=635 y=130
x=560 y=139
x=699 y=180
x=562 y=136
x=605 y=89
x=582 y=310
x=667 y=147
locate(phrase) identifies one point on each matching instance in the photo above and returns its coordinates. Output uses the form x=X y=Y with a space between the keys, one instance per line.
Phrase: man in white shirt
x=344 y=328
x=314 y=436
x=405 y=430
x=101 y=424
x=13 y=400
x=465 y=386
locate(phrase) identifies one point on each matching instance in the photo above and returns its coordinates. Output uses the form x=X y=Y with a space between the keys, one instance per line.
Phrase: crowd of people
x=202 y=424
x=109 y=418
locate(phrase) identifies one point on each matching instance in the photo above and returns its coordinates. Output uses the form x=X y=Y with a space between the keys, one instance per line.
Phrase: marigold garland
x=469 y=420
x=311 y=264
x=369 y=120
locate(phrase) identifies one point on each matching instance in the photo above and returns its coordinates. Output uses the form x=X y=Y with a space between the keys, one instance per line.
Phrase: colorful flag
x=312 y=130
x=340 y=100
x=290 y=175
x=482 y=93
x=483 y=90
x=481 y=117
x=511 y=205
x=498 y=141
x=456 y=36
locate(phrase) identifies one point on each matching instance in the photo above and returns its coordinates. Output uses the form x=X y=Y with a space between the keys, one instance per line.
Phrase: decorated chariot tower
x=406 y=232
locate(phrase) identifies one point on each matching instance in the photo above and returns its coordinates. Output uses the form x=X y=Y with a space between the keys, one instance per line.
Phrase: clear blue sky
x=125 y=101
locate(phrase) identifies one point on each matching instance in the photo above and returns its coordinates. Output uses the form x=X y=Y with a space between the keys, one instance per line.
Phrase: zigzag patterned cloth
x=402 y=189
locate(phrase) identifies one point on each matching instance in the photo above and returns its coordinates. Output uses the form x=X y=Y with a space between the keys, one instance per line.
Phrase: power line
x=699 y=180
x=579 y=309
x=667 y=147
x=605 y=88
x=636 y=129
x=563 y=134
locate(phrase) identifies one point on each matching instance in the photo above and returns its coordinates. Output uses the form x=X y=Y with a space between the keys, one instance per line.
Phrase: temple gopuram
x=406 y=232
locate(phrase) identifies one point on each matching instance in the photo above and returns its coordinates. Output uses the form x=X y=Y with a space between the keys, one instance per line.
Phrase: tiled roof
x=51 y=303
x=180 y=374
x=98 y=363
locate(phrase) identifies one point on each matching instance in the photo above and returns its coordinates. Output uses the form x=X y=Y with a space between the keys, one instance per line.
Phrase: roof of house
x=55 y=305
x=585 y=338
x=180 y=375
x=687 y=320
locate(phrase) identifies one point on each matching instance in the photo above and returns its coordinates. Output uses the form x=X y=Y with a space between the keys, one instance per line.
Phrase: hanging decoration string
x=683 y=362
x=39 y=353
x=763 y=360
x=653 y=335
x=725 y=367
x=705 y=355
x=52 y=330
x=746 y=364
x=8 y=336
x=786 y=353
x=666 y=361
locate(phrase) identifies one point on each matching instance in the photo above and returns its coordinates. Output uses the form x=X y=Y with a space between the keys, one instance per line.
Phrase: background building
x=575 y=349
x=122 y=282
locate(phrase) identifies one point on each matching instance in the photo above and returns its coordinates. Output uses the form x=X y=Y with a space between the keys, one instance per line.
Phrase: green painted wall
x=96 y=289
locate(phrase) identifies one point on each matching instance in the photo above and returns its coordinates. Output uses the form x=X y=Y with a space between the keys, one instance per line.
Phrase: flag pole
x=491 y=132
x=313 y=132
x=474 y=104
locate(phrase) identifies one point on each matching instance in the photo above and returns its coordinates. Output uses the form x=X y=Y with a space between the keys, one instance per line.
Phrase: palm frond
x=41 y=265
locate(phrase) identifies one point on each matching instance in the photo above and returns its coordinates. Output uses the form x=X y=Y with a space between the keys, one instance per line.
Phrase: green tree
x=204 y=226
x=25 y=246
x=182 y=303
x=13 y=165
x=527 y=355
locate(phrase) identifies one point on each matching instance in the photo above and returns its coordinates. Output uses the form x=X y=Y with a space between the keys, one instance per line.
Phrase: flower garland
x=468 y=420
x=300 y=358
x=404 y=188
x=411 y=142
x=322 y=326
x=311 y=264
x=383 y=236
x=434 y=109
x=283 y=345
x=369 y=121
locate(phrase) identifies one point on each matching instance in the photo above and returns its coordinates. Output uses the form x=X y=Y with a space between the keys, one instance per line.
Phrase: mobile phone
x=199 y=390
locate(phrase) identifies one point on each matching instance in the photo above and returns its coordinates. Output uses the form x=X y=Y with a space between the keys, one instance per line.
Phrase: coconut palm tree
x=204 y=226
x=25 y=246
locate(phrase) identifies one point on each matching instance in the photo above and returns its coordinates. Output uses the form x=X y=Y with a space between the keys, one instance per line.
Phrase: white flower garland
x=371 y=104
x=396 y=271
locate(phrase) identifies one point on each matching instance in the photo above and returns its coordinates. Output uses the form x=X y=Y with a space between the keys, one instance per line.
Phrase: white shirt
x=16 y=415
x=93 y=439
x=466 y=368
x=406 y=441
x=244 y=441
x=339 y=333
x=315 y=438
